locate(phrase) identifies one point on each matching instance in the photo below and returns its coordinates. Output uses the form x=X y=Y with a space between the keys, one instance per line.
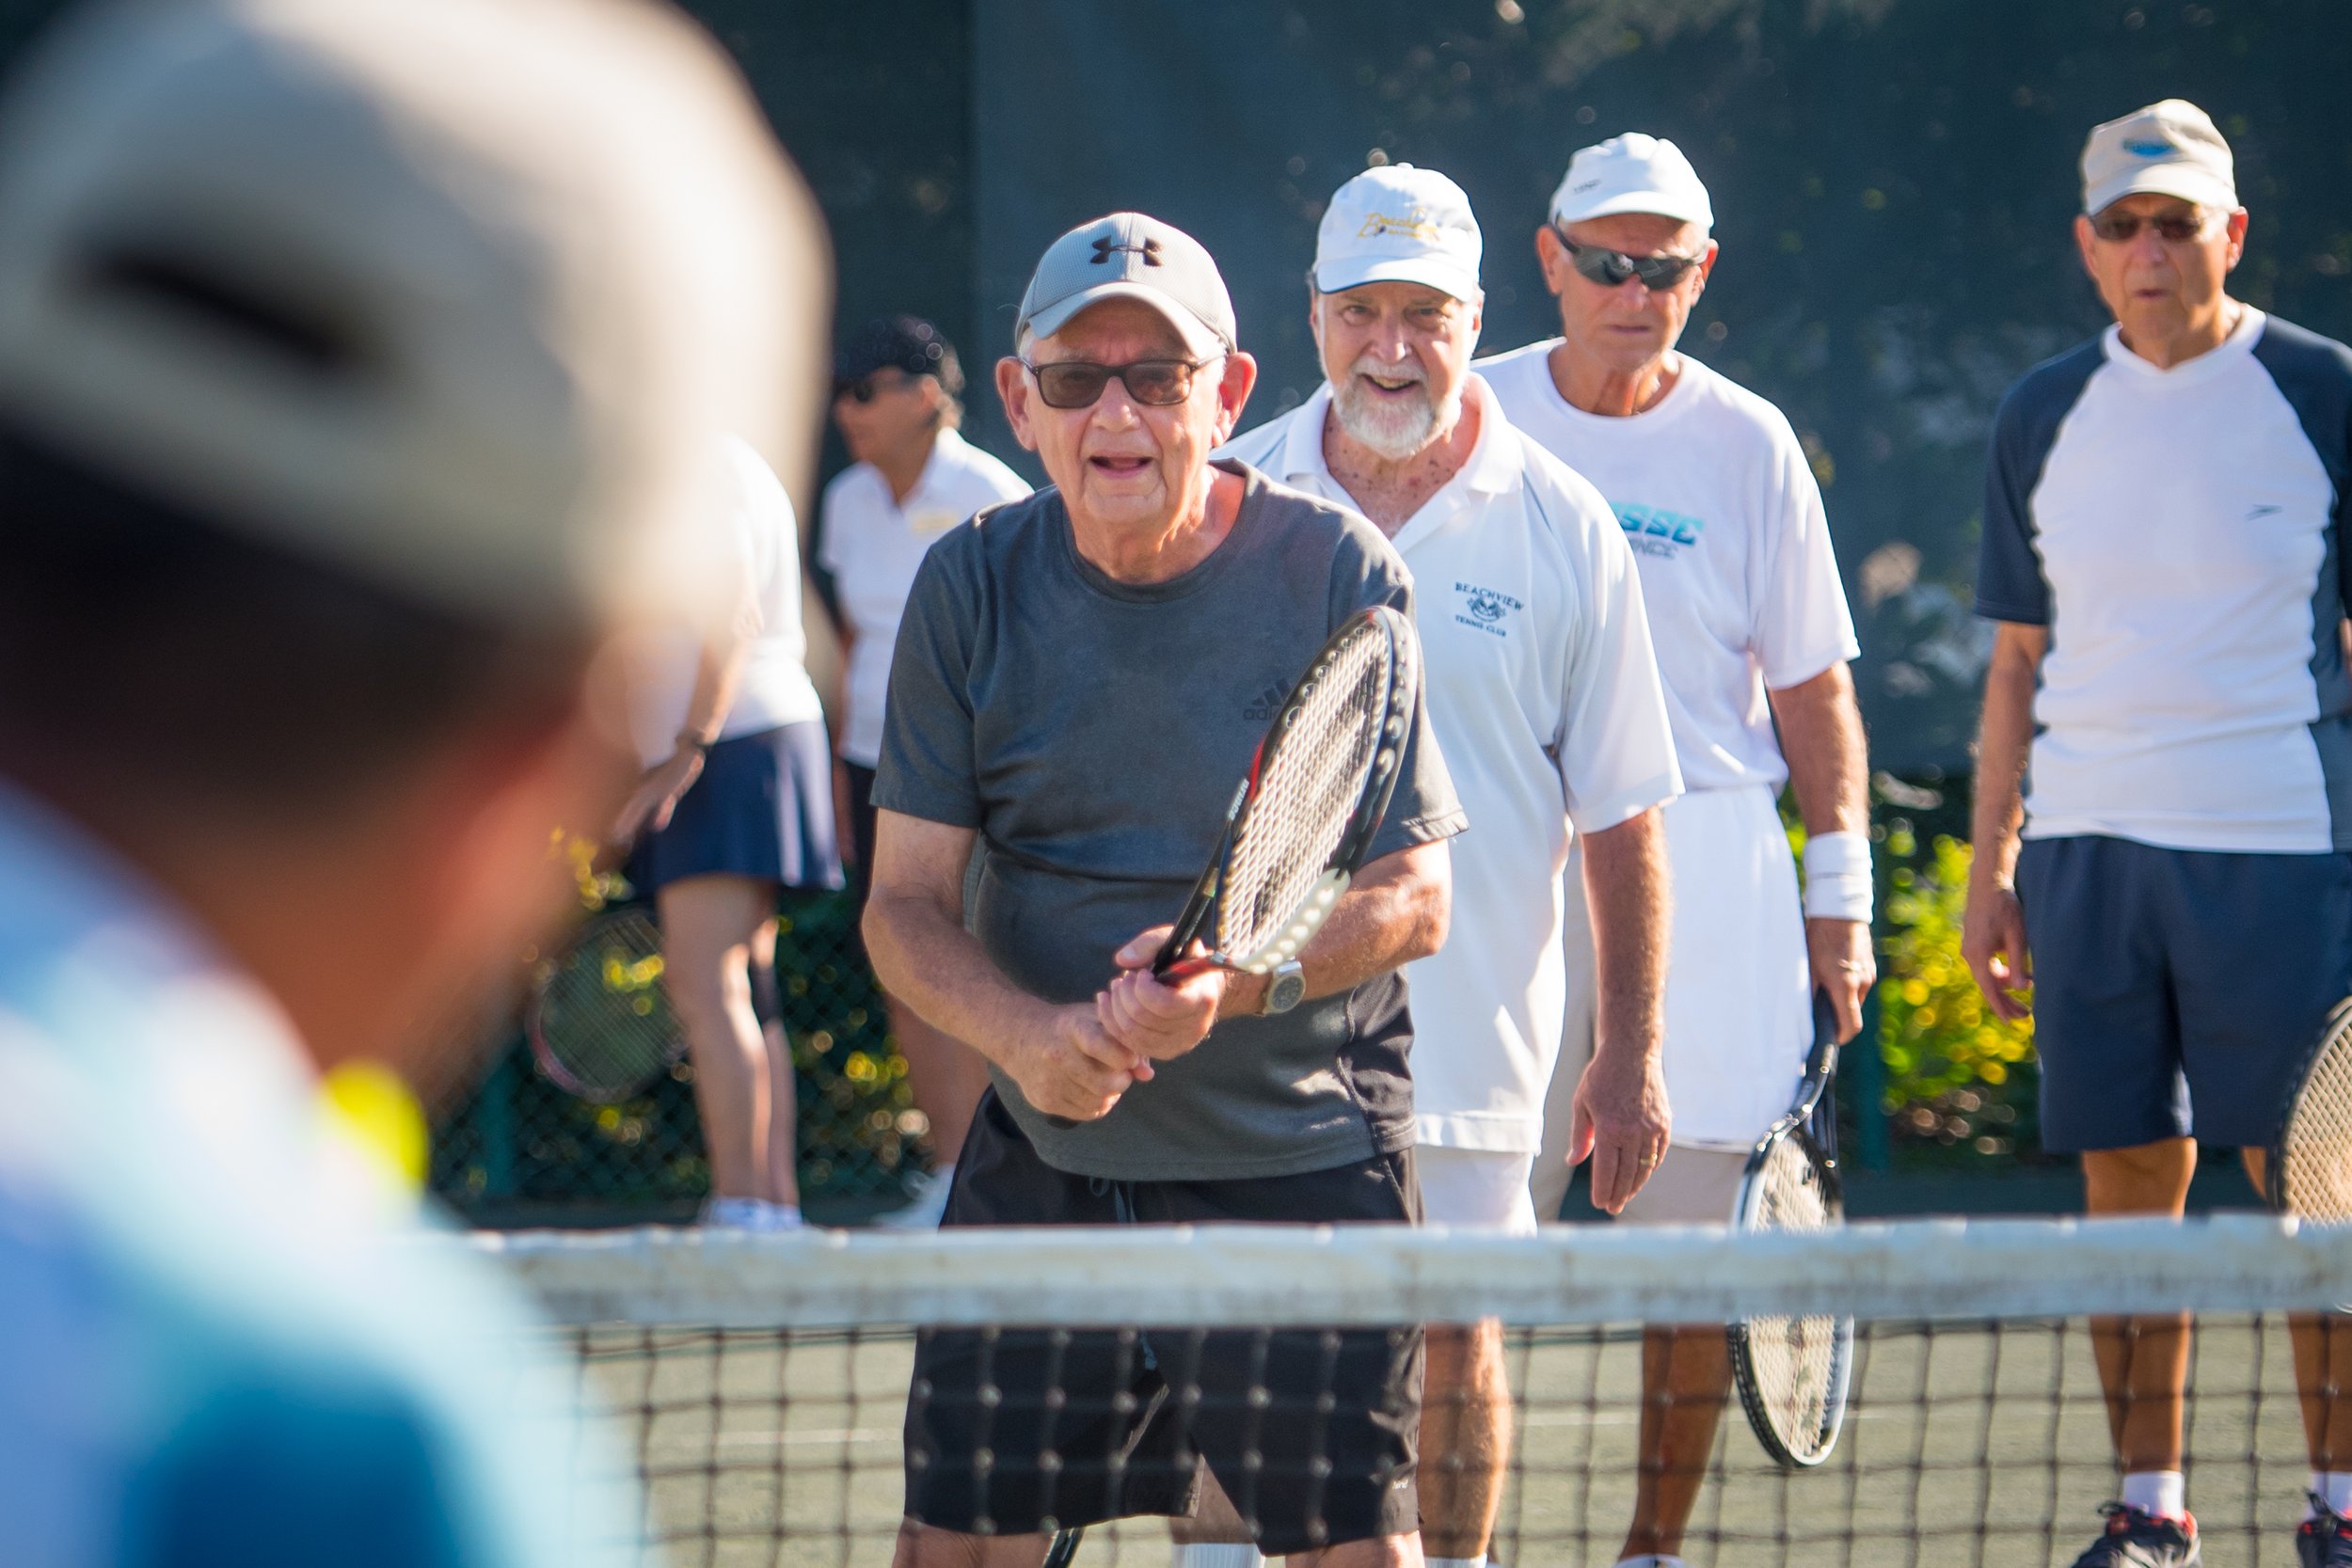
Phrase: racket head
x=599 y=1019
x=1794 y=1372
x=1317 y=793
x=2308 y=1170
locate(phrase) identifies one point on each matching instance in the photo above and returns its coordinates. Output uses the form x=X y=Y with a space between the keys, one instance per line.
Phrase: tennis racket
x=1793 y=1372
x=599 y=1019
x=1306 y=812
x=2309 y=1167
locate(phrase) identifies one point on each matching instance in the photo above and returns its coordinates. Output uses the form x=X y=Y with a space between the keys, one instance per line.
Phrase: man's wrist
x=1245 y=994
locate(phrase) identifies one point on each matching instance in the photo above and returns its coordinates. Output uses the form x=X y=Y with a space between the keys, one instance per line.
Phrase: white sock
x=1216 y=1554
x=1478 y=1561
x=1651 y=1560
x=2162 y=1493
x=2334 y=1488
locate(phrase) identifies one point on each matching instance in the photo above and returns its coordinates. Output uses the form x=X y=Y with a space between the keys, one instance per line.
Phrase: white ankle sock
x=1651 y=1560
x=1216 y=1554
x=1478 y=1561
x=2163 y=1493
x=2334 y=1488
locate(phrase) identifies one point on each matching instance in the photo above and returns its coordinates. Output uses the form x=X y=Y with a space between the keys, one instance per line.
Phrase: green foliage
x=1959 y=1081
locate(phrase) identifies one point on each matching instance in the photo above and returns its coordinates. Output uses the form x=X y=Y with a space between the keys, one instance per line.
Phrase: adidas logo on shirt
x=1268 y=703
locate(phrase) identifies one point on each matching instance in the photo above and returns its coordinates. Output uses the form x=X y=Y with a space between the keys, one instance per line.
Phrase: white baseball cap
x=1632 y=173
x=455 y=295
x=2169 y=149
x=1130 y=256
x=1399 y=224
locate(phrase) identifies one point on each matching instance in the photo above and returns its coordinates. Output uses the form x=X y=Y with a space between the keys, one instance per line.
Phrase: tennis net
x=764 y=1381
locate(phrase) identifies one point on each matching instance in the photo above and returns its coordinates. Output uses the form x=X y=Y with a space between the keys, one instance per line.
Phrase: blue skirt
x=762 y=808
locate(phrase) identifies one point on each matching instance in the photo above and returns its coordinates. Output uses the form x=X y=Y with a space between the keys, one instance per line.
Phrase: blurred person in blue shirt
x=360 y=366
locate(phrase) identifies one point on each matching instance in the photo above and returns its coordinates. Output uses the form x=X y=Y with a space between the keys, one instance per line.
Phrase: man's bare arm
x=1621 y=1116
x=1395 y=909
x=1993 y=936
x=1820 y=734
x=914 y=928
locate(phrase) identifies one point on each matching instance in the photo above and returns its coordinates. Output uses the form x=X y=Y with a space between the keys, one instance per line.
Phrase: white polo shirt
x=1545 y=698
x=2180 y=531
x=760 y=544
x=872 y=545
x=1740 y=582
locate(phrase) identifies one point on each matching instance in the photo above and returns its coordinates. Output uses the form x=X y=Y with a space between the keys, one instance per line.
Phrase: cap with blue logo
x=1398 y=223
x=2168 y=148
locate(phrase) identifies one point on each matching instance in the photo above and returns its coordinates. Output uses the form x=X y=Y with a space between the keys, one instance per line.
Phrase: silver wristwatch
x=1286 y=983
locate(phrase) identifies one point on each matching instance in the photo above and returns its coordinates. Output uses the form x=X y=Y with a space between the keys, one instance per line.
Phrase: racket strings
x=2315 y=1152
x=1796 y=1358
x=1313 y=783
x=603 y=1013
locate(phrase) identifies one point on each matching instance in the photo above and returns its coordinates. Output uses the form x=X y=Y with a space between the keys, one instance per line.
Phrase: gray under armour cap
x=455 y=295
x=1130 y=256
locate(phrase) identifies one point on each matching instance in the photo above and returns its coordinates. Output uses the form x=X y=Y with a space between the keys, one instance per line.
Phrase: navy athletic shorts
x=1311 y=1431
x=2176 y=992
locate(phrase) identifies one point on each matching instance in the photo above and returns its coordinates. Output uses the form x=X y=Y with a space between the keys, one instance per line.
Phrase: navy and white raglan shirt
x=2180 y=534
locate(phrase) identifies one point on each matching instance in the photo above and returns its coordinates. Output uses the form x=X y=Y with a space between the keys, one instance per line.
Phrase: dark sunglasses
x=1610 y=268
x=1077 y=384
x=2171 y=227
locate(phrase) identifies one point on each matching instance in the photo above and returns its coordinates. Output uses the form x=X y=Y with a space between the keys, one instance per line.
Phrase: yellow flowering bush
x=1956 y=1075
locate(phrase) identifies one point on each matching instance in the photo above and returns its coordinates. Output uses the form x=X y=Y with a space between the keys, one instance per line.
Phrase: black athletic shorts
x=1311 y=1431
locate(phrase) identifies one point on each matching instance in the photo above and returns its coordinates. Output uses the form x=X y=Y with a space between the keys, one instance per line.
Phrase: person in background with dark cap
x=362 y=364
x=897 y=391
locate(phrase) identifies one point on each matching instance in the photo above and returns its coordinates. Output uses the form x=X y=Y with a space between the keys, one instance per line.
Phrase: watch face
x=1283 y=994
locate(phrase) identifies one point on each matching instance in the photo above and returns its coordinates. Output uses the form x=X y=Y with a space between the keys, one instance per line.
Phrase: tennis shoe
x=2325 y=1539
x=2135 y=1537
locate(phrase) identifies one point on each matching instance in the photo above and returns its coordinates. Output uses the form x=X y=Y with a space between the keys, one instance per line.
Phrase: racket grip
x=1168 y=968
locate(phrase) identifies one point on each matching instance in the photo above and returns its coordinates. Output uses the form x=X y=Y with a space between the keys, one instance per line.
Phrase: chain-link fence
x=517 y=1146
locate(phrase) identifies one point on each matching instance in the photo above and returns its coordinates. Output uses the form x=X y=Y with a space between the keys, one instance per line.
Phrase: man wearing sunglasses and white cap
x=1079 y=679
x=1545 y=697
x=2173 y=494
x=1751 y=628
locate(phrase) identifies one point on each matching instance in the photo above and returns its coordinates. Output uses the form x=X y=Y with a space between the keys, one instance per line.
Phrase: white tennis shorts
x=1475 y=1186
x=1739 y=1016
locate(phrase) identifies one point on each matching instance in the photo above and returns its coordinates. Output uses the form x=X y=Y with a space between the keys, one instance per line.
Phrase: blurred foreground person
x=897 y=399
x=361 y=361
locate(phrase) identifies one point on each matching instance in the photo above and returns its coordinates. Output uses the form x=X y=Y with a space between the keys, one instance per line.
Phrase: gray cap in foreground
x=1130 y=256
x=455 y=294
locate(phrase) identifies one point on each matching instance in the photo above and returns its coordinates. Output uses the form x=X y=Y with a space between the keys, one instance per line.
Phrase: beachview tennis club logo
x=1485 y=607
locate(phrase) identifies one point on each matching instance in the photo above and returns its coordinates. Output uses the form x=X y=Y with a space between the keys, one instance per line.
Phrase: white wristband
x=1837 y=876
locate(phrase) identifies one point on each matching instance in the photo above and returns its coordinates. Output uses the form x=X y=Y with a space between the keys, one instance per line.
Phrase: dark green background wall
x=1894 y=180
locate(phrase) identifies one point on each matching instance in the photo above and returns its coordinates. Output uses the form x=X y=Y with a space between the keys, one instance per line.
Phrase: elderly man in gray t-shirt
x=1079 y=679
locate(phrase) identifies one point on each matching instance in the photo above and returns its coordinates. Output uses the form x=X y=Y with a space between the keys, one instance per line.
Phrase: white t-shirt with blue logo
x=2179 y=533
x=1715 y=496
